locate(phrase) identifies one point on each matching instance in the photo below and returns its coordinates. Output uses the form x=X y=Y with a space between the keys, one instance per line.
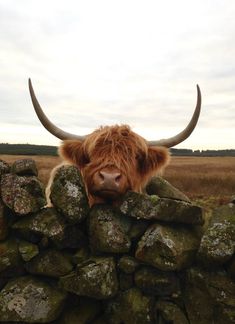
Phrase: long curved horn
x=172 y=141
x=54 y=130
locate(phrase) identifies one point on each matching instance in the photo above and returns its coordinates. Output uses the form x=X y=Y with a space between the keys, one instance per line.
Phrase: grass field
x=209 y=181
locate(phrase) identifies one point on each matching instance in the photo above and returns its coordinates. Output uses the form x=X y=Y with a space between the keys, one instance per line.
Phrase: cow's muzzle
x=108 y=184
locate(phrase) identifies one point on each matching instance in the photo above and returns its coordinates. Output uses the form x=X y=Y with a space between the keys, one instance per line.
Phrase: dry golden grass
x=44 y=163
x=207 y=180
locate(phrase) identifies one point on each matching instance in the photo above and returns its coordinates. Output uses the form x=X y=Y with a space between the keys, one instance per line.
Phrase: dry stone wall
x=149 y=260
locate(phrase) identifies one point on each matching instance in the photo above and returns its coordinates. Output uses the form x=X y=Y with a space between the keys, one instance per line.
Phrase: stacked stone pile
x=148 y=260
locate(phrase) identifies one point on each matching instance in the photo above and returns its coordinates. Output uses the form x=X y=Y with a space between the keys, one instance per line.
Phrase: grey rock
x=68 y=194
x=4 y=168
x=28 y=250
x=24 y=167
x=209 y=297
x=156 y=282
x=141 y=206
x=107 y=231
x=9 y=255
x=46 y=223
x=130 y=306
x=167 y=248
x=51 y=263
x=218 y=242
x=95 y=278
x=128 y=264
x=171 y=313
x=51 y=225
x=30 y=300
x=162 y=188
x=3 y=222
x=23 y=195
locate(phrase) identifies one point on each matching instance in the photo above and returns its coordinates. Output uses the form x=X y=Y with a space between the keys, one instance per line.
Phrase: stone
x=163 y=189
x=171 y=313
x=131 y=306
x=218 y=242
x=80 y=255
x=23 y=195
x=28 y=250
x=128 y=264
x=30 y=300
x=24 y=167
x=126 y=281
x=49 y=224
x=167 y=248
x=3 y=222
x=231 y=268
x=4 y=168
x=141 y=206
x=51 y=263
x=68 y=194
x=83 y=312
x=9 y=255
x=106 y=231
x=209 y=297
x=158 y=283
x=96 y=278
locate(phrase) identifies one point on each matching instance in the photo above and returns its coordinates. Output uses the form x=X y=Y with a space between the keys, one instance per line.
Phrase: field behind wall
x=209 y=181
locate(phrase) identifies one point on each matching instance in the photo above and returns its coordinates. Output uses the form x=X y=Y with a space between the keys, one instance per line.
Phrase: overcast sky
x=109 y=62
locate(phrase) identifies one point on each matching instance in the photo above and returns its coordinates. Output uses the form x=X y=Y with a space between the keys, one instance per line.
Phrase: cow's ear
x=157 y=158
x=73 y=152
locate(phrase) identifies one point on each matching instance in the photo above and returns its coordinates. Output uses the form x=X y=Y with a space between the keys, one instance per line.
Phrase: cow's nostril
x=101 y=176
x=110 y=178
x=118 y=178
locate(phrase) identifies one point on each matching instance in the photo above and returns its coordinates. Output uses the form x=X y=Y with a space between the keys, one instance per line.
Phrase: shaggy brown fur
x=114 y=148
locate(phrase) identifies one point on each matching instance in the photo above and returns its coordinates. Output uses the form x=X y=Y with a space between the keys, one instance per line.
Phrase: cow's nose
x=110 y=178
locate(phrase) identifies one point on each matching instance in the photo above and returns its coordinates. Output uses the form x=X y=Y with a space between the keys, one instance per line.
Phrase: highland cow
x=114 y=159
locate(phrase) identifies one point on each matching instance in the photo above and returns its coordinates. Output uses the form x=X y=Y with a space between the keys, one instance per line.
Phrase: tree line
x=30 y=149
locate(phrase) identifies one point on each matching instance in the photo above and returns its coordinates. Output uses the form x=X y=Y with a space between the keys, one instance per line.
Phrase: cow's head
x=114 y=159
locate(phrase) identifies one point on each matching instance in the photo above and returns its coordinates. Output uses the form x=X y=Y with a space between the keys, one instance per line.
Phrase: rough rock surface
x=142 y=206
x=147 y=260
x=218 y=242
x=107 y=232
x=24 y=167
x=23 y=195
x=167 y=248
x=95 y=278
x=162 y=188
x=131 y=306
x=68 y=194
x=31 y=300
x=4 y=168
x=3 y=222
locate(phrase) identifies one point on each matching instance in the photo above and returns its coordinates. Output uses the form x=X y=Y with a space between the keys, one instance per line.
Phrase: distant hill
x=30 y=149
x=187 y=152
x=27 y=149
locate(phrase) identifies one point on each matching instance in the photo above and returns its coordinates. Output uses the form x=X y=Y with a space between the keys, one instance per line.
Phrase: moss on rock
x=68 y=194
x=30 y=300
x=96 y=278
x=24 y=195
x=167 y=248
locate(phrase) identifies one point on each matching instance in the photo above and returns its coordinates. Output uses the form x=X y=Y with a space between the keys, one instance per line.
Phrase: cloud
x=108 y=62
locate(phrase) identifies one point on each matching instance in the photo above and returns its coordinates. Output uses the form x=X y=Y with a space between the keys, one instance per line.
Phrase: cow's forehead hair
x=118 y=138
